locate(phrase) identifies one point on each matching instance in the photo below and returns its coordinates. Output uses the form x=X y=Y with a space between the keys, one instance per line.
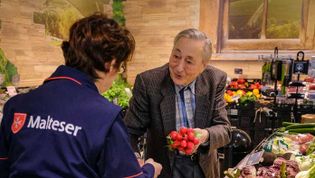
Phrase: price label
x=11 y=91
x=255 y=158
x=233 y=112
x=251 y=159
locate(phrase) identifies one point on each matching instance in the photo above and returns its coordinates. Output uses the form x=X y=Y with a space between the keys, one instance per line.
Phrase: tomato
x=241 y=81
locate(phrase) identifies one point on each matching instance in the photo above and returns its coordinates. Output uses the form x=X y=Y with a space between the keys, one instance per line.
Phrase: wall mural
x=8 y=71
x=59 y=15
x=0 y=19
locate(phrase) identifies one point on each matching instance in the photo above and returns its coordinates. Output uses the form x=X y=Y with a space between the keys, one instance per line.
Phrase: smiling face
x=186 y=61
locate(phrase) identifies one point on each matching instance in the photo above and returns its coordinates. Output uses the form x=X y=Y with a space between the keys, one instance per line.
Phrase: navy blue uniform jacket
x=65 y=128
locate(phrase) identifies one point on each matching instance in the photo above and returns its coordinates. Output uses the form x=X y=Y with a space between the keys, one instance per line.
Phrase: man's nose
x=181 y=66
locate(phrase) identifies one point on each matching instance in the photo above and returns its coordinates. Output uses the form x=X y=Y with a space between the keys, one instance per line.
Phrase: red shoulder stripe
x=64 y=77
x=134 y=175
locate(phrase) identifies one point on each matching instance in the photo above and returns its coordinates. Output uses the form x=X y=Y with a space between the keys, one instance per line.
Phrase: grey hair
x=195 y=34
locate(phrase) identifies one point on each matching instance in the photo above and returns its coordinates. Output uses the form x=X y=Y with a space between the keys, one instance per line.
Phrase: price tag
x=11 y=91
x=251 y=159
x=233 y=112
x=255 y=158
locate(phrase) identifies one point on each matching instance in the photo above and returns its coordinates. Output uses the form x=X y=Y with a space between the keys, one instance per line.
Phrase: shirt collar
x=190 y=86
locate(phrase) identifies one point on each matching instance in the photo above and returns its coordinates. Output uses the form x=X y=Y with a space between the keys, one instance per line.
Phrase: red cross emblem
x=18 y=122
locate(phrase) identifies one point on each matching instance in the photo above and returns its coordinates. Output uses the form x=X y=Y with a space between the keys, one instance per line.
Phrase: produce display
x=119 y=93
x=244 y=84
x=5 y=96
x=242 y=91
x=183 y=140
x=287 y=153
x=298 y=128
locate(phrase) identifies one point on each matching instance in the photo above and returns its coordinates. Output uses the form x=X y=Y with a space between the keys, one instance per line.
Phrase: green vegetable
x=311 y=148
x=297 y=126
x=285 y=124
x=303 y=130
x=283 y=169
x=307 y=174
x=281 y=129
x=232 y=173
x=246 y=99
x=117 y=93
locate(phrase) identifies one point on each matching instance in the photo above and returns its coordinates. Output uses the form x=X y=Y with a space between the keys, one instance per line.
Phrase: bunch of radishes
x=183 y=140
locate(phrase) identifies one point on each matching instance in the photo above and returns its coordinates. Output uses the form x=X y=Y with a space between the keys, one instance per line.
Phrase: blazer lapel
x=202 y=103
x=167 y=106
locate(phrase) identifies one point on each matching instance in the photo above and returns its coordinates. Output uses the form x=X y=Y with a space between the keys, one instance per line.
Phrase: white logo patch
x=51 y=124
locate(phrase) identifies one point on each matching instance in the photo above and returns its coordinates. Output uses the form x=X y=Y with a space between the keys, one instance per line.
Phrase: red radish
x=173 y=135
x=174 y=146
x=177 y=143
x=181 y=148
x=191 y=136
x=190 y=130
x=179 y=137
x=183 y=140
x=183 y=143
x=196 y=141
x=188 y=151
x=183 y=130
x=190 y=145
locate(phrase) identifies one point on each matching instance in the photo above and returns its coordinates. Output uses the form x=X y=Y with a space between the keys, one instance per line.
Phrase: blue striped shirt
x=185 y=109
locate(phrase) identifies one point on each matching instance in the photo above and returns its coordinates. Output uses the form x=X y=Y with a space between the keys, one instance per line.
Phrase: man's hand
x=203 y=137
x=157 y=167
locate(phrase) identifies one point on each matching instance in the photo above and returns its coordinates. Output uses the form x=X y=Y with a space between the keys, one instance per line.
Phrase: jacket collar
x=78 y=77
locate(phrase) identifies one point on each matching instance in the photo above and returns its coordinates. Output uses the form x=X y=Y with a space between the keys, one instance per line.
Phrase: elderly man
x=186 y=92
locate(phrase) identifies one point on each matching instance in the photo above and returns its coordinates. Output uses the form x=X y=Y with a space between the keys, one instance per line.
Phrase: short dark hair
x=95 y=40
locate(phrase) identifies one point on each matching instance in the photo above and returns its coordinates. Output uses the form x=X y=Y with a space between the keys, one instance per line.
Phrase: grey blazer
x=152 y=110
